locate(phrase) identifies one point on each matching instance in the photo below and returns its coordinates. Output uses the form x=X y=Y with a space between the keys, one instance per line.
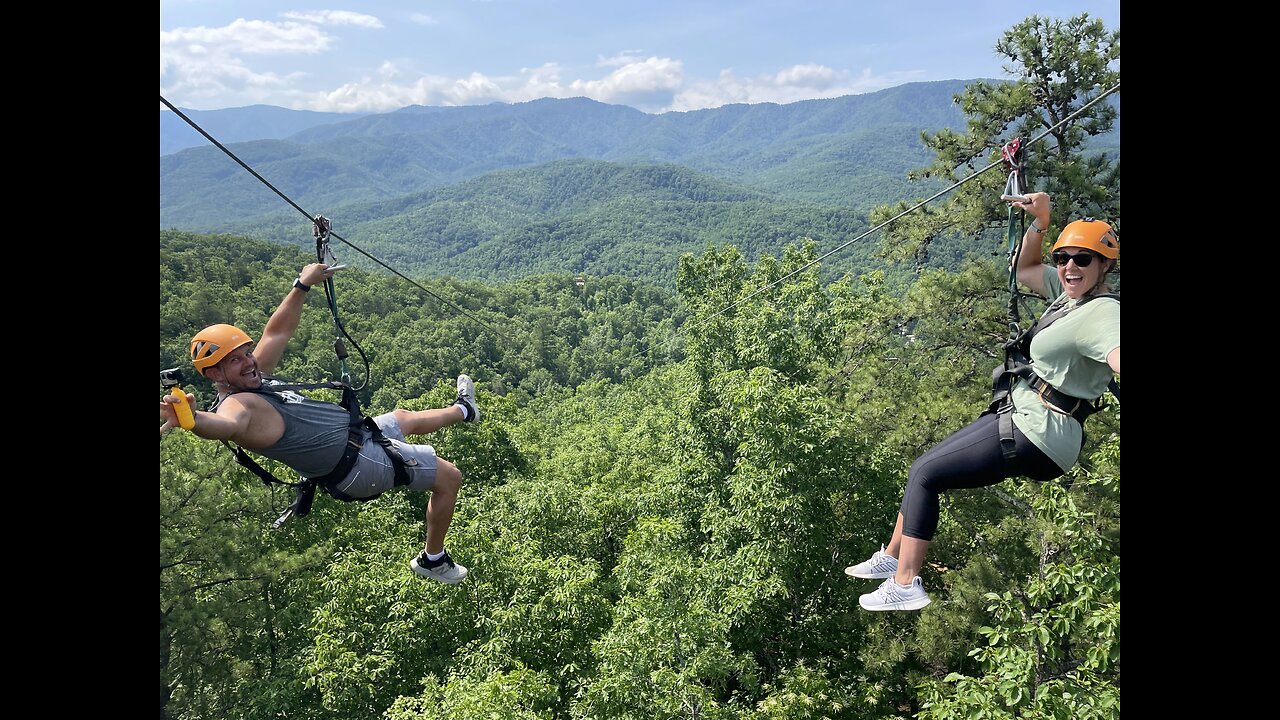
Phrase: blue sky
x=655 y=55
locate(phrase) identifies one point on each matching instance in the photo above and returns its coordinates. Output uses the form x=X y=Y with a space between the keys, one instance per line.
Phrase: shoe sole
x=909 y=605
x=870 y=576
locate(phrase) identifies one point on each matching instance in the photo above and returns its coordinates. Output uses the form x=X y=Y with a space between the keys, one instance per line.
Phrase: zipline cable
x=311 y=218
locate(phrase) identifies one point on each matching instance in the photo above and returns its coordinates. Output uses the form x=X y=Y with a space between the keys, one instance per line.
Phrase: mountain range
x=502 y=190
x=232 y=125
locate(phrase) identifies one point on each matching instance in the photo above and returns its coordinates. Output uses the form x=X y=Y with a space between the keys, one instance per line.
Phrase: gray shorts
x=373 y=472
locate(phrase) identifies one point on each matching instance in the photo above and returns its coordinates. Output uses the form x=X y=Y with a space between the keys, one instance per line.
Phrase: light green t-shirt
x=1071 y=355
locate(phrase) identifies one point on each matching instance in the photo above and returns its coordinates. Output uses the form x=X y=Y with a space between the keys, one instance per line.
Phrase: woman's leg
x=970 y=458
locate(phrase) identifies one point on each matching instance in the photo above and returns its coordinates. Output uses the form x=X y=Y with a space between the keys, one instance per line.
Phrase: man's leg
x=421 y=422
x=444 y=498
x=434 y=562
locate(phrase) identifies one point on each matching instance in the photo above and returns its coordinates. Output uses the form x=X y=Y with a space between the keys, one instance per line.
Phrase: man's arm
x=229 y=423
x=284 y=321
x=1030 y=253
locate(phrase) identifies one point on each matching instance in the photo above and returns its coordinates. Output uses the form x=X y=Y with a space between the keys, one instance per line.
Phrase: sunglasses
x=1083 y=260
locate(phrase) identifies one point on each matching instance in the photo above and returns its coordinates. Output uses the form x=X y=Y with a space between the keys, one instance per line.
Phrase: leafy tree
x=1059 y=67
x=228 y=591
x=1053 y=647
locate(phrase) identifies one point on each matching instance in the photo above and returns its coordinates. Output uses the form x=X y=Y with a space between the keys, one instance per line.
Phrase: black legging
x=969 y=458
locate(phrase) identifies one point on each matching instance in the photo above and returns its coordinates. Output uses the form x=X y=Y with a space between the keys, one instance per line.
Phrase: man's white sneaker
x=877 y=567
x=444 y=570
x=892 y=596
x=467 y=397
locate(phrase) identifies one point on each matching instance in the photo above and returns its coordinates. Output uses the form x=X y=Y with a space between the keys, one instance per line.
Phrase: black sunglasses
x=1083 y=259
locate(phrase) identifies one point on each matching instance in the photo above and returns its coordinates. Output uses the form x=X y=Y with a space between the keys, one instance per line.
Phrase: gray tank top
x=315 y=433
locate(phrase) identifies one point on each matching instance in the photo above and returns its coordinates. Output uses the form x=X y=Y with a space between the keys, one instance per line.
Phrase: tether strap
x=1014 y=153
x=1008 y=445
x=263 y=474
x=320 y=230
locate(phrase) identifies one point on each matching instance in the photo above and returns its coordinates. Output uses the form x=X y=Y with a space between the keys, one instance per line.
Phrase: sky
x=653 y=55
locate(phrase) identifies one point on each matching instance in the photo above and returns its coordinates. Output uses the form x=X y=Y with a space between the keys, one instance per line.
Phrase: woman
x=1072 y=360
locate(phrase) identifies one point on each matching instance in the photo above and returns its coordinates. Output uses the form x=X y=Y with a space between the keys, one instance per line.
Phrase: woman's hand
x=1038 y=206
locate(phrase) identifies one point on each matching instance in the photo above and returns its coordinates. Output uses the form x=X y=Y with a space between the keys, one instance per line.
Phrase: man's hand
x=314 y=274
x=284 y=321
x=169 y=414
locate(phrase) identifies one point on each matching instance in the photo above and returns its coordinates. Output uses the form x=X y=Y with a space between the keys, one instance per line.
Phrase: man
x=312 y=437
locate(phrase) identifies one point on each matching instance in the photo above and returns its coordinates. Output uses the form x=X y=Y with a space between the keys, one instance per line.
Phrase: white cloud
x=808 y=75
x=544 y=76
x=623 y=58
x=798 y=82
x=250 y=36
x=369 y=95
x=649 y=84
x=421 y=19
x=203 y=66
x=335 y=17
x=206 y=63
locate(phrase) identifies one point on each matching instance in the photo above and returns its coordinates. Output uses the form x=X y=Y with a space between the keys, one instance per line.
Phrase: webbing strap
x=1008 y=446
x=1014 y=238
x=320 y=230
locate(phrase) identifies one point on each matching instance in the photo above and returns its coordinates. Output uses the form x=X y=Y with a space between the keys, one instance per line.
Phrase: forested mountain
x=233 y=125
x=579 y=216
x=838 y=151
x=576 y=185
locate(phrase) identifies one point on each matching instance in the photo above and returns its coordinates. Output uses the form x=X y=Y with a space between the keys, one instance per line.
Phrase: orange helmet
x=215 y=342
x=1090 y=234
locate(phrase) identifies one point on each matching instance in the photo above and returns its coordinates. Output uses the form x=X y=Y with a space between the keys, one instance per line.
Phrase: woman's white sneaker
x=878 y=567
x=892 y=596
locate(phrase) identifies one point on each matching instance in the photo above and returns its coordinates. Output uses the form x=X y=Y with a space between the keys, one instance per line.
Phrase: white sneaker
x=878 y=567
x=444 y=570
x=467 y=396
x=892 y=596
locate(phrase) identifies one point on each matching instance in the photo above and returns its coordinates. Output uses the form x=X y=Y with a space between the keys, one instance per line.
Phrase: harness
x=358 y=423
x=1017 y=364
x=1017 y=349
x=306 y=487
